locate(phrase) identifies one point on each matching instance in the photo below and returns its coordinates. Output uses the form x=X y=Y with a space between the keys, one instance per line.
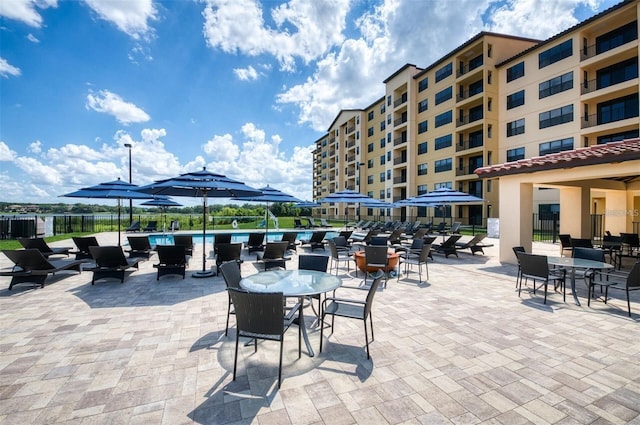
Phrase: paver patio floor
x=460 y=348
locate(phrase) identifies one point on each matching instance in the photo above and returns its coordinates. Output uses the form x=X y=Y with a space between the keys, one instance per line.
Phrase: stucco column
x=516 y=223
x=615 y=211
x=575 y=211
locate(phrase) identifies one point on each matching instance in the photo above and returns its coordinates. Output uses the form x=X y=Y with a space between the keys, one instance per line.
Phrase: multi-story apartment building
x=494 y=99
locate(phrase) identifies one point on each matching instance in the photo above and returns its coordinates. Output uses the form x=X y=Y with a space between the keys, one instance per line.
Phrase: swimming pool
x=235 y=238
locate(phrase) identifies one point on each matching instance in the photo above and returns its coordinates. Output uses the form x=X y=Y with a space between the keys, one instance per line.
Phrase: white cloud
x=221 y=148
x=246 y=74
x=32 y=38
x=397 y=32
x=301 y=29
x=6 y=69
x=131 y=17
x=6 y=154
x=35 y=147
x=25 y=10
x=112 y=104
x=38 y=172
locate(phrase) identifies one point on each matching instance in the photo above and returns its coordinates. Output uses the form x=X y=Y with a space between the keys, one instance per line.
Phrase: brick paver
x=460 y=348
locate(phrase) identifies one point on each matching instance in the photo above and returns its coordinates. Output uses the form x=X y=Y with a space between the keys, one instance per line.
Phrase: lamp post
x=128 y=145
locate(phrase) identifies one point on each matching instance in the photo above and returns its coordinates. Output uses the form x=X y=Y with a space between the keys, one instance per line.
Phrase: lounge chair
x=111 y=263
x=447 y=247
x=152 y=226
x=83 y=244
x=291 y=239
x=316 y=240
x=135 y=227
x=30 y=266
x=274 y=255
x=186 y=241
x=174 y=226
x=139 y=246
x=255 y=242
x=228 y=252
x=41 y=245
x=312 y=223
x=172 y=259
x=219 y=239
x=475 y=244
x=297 y=224
x=325 y=223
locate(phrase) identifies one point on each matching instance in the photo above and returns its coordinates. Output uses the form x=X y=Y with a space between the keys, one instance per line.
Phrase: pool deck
x=461 y=348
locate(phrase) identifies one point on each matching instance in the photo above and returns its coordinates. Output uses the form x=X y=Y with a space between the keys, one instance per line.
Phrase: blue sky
x=240 y=86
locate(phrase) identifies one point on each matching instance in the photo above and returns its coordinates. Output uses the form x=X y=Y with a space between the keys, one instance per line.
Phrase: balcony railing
x=591 y=51
x=399 y=180
x=399 y=160
x=592 y=85
x=592 y=120
x=332 y=153
x=400 y=101
x=467 y=68
x=332 y=178
x=351 y=158
x=465 y=94
x=351 y=173
x=332 y=140
x=465 y=171
x=399 y=121
x=351 y=144
x=351 y=129
x=468 y=119
x=399 y=140
x=468 y=144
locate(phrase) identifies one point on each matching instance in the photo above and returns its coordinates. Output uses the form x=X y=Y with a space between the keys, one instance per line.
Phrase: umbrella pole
x=204 y=272
x=118 y=221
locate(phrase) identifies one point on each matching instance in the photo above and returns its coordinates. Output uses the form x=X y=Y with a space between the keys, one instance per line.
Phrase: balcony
x=592 y=85
x=399 y=121
x=468 y=93
x=468 y=144
x=332 y=153
x=351 y=158
x=592 y=120
x=398 y=102
x=351 y=173
x=332 y=178
x=351 y=129
x=399 y=160
x=399 y=180
x=468 y=68
x=399 y=140
x=332 y=140
x=465 y=171
x=351 y=144
x=591 y=51
x=468 y=119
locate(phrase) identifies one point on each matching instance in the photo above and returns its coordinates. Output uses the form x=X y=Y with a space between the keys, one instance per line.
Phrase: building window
x=389 y=156
x=370 y=116
x=382 y=160
x=383 y=125
x=383 y=143
x=422 y=148
x=423 y=106
x=555 y=85
x=444 y=118
x=618 y=73
x=475 y=88
x=515 y=154
x=515 y=127
x=444 y=72
x=370 y=179
x=382 y=177
x=617 y=37
x=370 y=147
x=370 y=163
x=556 y=146
x=444 y=95
x=389 y=100
x=381 y=194
x=618 y=109
x=423 y=126
x=476 y=113
x=422 y=169
x=443 y=142
x=370 y=131
x=383 y=109
x=388 y=174
x=423 y=84
x=422 y=189
x=631 y=134
x=515 y=99
x=475 y=139
x=555 y=54
x=515 y=72
x=476 y=62
x=443 y=165
x=556 y=116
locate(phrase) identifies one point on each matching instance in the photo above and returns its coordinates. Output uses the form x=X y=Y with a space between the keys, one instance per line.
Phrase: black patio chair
x=172 y=259
x=186 y=241
x=536 y=268
x=262 y=316
x=139 y=246
x=517 y=250
x=228 y=252
x=219 y=239
x=475 y=244
x=376 y=256
x=352 y=309
x=274 y=255
x=448 y=247
x=41 y=245
x=317 y=263
x=255 y=242
x=291 y=239
x=152 y=226
x=316 y=240
x=627 y=282
x=297 y=224
x=565 y=243
x=134 y=227
x=338 y=255
x=411 y=259
x=111 y=263
x=232 y=277
x=83 y=244
x=30 y=266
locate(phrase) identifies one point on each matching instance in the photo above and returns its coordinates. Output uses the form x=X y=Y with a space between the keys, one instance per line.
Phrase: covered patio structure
x=599 y=179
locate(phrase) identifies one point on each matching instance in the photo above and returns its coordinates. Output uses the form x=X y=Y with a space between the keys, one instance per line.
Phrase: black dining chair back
x=594 y=254
x=231 y=275
x=261 y=316
x=517 y=250
x=313 y=262
x=375 y=256
x=536 y=267
x=228 y=252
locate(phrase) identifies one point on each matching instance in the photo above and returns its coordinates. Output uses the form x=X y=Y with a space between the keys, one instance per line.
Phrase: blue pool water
x=237 y=237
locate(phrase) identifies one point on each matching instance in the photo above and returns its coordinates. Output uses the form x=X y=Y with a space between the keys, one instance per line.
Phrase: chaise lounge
x=111 y=263
x=475 y=244
x=30 y=266
x=41 y=245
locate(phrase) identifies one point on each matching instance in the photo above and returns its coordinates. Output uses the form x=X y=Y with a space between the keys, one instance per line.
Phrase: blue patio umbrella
x=116 y=189
x=348 y=196
x=269 y=194
x=201 y=184
x=307 y=204
x=163 y=202
x=440 y=196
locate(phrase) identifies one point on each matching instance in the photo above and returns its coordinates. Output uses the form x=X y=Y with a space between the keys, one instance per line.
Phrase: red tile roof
x=626 y=150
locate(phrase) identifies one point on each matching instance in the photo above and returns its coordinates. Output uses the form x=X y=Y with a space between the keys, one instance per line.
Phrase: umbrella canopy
x=306 y=204
x=116 y=189
x=440 y=196
x=348 y=196
x=201 y=184
x=269 y=194
x=163 y=202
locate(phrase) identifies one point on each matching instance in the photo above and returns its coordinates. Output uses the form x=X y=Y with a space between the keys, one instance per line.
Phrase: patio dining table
x=293 y=283
x=573 y=264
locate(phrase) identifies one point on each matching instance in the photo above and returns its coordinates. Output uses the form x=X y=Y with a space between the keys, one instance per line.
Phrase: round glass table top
x=579 y=263
x=291 y=282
